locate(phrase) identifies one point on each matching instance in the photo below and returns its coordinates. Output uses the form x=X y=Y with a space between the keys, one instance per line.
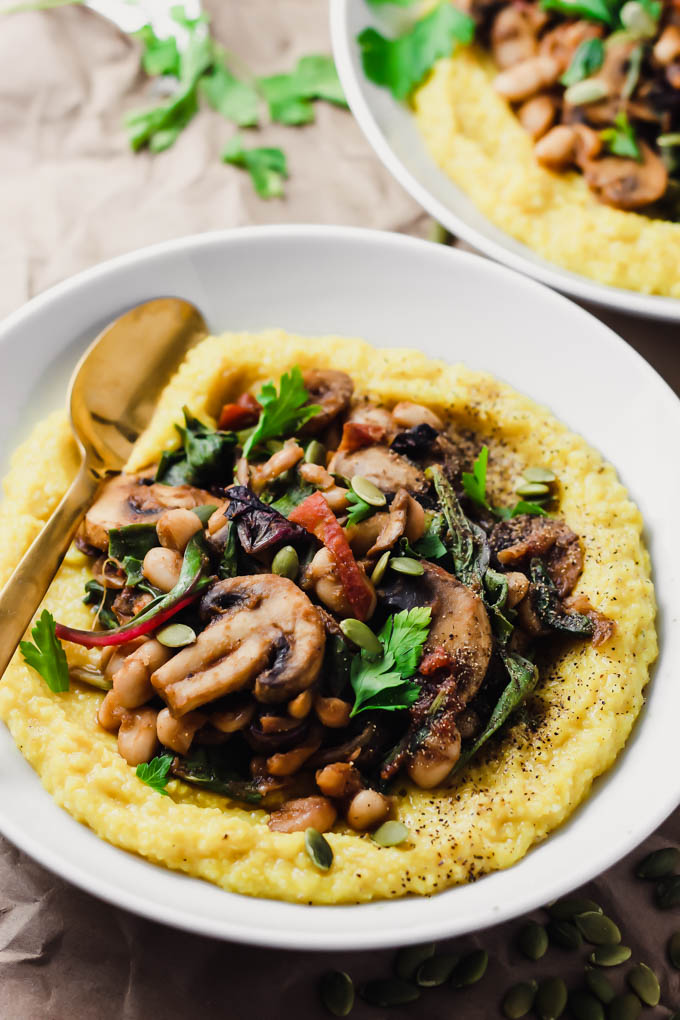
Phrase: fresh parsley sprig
x=282 y=413
x=384 y=683
x=360 y=509
x=474 y=485
x=156 y=773
x=268 y=167
x=620 y=139
x=289 y=96
x=47 y=655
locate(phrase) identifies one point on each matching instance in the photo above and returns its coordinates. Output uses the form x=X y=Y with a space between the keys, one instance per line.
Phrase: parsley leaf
x=267 y=166
x=283 y=412
x=160 y=56
x=587 y=59
x=236 y=100
x=431 y=546
x=292 y=497
x=522 y=506
x=592 y=10
x=47 y=655
x=156 y=773
x=289 y=95
x=204 y=458
x=474 y=483
x=360 y=509
x=620 y=139
x=404 y=635
x=384 y=683
x=400 y=64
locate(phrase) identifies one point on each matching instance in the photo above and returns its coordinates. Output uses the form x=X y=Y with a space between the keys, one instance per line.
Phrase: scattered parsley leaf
x=587 y=59
x=282 y=413
x=204 y=458
x=384 y=683
x=360 y=509
x=474 y=483
x=401 y=64
x=289 y=95
x=236 y=100
x=620 y=139
x=160 y=56
x=267 y=167
x=156 y=773
x=591 y=10
x=47 y=656
x=404 y=635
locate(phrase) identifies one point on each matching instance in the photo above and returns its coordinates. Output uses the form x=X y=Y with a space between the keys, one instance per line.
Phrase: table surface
x=72 y=195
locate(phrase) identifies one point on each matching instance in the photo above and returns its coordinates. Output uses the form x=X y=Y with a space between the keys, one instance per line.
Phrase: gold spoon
x=112 y=395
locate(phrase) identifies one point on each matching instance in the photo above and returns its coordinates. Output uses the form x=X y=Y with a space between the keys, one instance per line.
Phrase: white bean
x=175 y=528
x=162 y=567
x=367 y=810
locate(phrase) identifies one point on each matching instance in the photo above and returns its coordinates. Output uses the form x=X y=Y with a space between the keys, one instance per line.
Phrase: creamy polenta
x=523 y=784
x=474 y=136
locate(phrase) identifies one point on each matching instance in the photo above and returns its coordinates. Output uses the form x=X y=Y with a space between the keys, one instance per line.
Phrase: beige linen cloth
x=72 y=194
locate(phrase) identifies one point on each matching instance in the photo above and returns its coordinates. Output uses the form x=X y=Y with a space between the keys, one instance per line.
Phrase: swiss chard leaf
x=205 y=771
x=292 y=497
x=546 y=602
x=461 y=538
x=283 y=412
x=259 y=526
x=474 y=482
x=267 y=167
x=133 y=540
x=204 y=458
x=229 y=561
x=47 y=656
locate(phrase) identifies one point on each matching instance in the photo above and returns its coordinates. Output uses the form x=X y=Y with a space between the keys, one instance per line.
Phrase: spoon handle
x=32 y=576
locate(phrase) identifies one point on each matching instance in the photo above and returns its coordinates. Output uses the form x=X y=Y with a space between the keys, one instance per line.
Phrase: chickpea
x=336 y=497
x=527 y=78
x=176 y=527
x=332 y=712
x=300 y=707
x=408 y=415
x=111 y=712
x=162 y=567
x=536 y=115
x=177 y=734
x=304 y=813
x=131 y=682
x=137 y=740
x=667 y=46
x=367 y=809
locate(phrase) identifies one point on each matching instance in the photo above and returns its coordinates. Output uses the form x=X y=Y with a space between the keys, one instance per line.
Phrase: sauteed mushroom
x=514 y=542
x=380 y=465
x=332 y=391
x=625 y=183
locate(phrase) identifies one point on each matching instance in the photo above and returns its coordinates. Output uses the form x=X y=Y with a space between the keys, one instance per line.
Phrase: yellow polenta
x=476 y=138
x=525 y=783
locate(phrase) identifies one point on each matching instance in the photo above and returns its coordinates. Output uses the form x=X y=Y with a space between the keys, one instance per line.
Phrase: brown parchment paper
x=72 y=194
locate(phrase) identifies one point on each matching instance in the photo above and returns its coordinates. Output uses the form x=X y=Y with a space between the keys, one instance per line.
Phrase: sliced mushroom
x=625 y=183
x=264 y=632
x=514 y=33
x=514 y=542
x=332 y=391
x=561 y=42
x=135 y=499
x=406 y=517
x=380 y=465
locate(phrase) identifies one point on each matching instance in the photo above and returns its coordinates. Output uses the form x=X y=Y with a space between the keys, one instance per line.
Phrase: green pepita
x=568 y=908
x=598 y=928
x=674 y=950
x=533 y=941
x=599 y=985
x=635 y=17
x=361 y=635
x=380 y=568
x=539 y=474
x=90 y=676
x=315 y=453
x=389 y=992
x=532 y=489
x=470 y=969
x=659 y=863
x=590 y=90
x=624 y=1007
x=437 y=970
x=644 y=983
x=318 y=848
x=176 y=635
x=667 y=892
x=565 y=934
x=337 y=992
x=409 y=959
x=407 y=565
x=551 y=999
x=367 y=491
x=609 y=956
x=390 y=834
x=585 y=1006
x=518 y=1000
x=286 y=563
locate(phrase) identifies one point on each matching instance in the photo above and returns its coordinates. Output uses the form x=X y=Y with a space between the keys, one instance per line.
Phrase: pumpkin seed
x=674 y=950
x=532 y=489
x=598 y=928
x=361 y=635
x=625 y=1007
x=539 y=474
x=176 y=635
x=551 y=999
x=315 y=454
x=585 y=1006
x=668 y=141
x=337 y=992
x=437 y=970
x=90 y=676
x=367 y=491
x=659 y=863
x=380 y=568
x=389 y=992
x=407 y=565
x=565 y=934
x=599 y=985
x=610 y=956
x=470 y=969
x=533 y=941
x=590 y=90
x=644 y=983
x=318 y=848
x=519 y=999
x=667 y=892
x=568 y=908
x=286 y=563
x=635 y=17
x=409 y=959
x=390 y=834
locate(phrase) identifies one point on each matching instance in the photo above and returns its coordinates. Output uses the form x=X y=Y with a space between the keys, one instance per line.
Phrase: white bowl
x=391 y=129
x=392 y=290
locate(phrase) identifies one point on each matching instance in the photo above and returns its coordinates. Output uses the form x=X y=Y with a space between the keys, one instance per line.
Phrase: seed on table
x=667 y=892
x=380 y=568
x=551 y=999
x=176 y=635
x=518 y=1000
x=286 y=563
x=599 y=985
x=584 y=1006
x=644 y=983
x=409 y=959
x=315 y=453
x=624 y=1007
x=568 y=908
x=532 y=489
x=659 y=863
x=470 y=969
x=318 y=848
x=533 y=941
x=337 y=992
x=609 y=956
x=367 y=491
x=407 y=565
x=437 y=970
x=389 y=992
x=674 y=950
x=565 y=934
x=390 y=834
x=598 y=929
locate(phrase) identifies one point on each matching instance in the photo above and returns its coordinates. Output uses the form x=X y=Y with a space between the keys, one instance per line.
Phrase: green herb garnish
x=360 y=509
x=289 y=96
x=267 y=166
x=156 y=773
x=474 y=484
x=97 y=595
x=47 y=655
x=236 y=100
x=133 y=540
x=384 y=683
x=292 y=497
x=591 y=10
x=159 y=56
x=282 y=413
x=431 y=546
x=620 y=139
x=204 y=458
x=587 y=59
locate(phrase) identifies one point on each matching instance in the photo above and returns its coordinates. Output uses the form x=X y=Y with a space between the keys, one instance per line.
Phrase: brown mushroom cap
x=380 y=465
x=625 y=183
x=515 y=541
x=332 y=391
